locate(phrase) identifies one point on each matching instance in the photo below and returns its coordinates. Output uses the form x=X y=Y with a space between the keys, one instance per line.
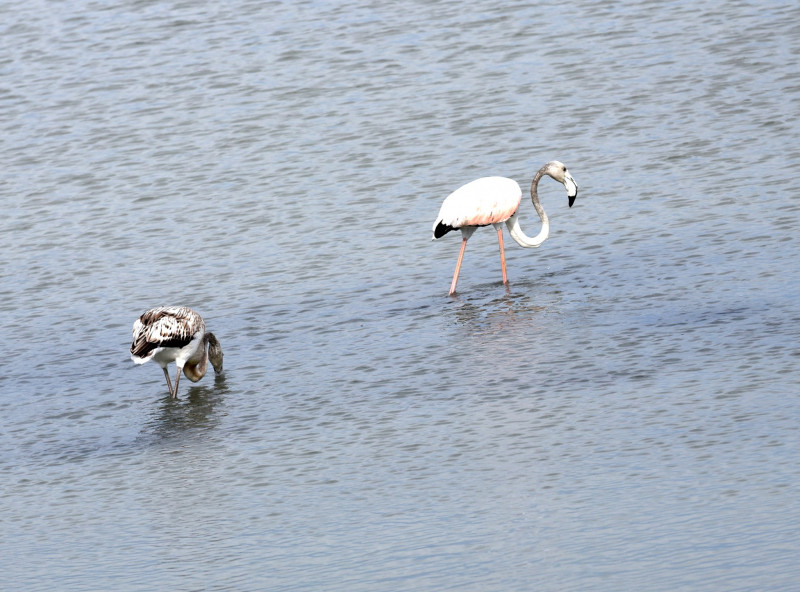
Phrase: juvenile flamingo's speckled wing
x=166 y=326
x=487 y=200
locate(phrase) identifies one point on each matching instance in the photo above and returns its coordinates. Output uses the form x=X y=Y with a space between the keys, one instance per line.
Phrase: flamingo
x=494 y=200
x=175 y=334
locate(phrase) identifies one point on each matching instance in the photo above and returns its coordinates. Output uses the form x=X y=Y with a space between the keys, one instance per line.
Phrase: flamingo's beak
x=572 y=188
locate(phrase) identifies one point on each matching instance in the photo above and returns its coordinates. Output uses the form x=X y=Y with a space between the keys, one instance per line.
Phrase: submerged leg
x=169 y=383
x=502 y=253
x=177 y=380
x=458 y=266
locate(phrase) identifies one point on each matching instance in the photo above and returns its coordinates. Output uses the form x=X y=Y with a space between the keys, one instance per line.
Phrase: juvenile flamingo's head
x=558 y=171
x=214 y=352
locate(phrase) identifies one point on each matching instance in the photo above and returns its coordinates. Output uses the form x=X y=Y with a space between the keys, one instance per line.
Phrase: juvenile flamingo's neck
x=194 y=370
x=195 y=367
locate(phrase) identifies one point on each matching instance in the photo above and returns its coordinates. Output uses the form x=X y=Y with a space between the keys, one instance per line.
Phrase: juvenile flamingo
x=175 y=334
x=494 y=200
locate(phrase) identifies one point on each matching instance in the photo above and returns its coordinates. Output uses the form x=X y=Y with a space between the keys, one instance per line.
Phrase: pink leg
x=458 y=267
x=502 y=254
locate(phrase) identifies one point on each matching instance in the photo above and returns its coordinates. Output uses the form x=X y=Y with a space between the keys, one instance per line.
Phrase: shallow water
x=622 y=416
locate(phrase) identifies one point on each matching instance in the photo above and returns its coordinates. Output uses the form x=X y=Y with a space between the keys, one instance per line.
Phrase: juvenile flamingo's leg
x=169 y=383
x=177 y=380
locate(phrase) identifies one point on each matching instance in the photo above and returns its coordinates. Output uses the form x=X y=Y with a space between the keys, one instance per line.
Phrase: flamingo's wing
x=485 y=201
x=166 y=326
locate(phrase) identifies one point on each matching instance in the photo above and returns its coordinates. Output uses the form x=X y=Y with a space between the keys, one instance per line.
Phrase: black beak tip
x=572 y=199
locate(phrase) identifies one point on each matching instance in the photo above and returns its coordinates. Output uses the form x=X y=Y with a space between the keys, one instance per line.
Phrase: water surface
x=622 y=416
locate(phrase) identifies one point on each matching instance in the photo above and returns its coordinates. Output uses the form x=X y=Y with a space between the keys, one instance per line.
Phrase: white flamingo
x=175 y=334
x=494 y=200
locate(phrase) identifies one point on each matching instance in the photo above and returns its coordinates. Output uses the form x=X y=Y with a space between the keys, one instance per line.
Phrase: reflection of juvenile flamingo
x=175 y=334
x=494 y=200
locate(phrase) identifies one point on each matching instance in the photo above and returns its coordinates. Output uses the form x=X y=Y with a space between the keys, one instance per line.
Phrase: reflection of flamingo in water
x=494 y=200
x=175 y=334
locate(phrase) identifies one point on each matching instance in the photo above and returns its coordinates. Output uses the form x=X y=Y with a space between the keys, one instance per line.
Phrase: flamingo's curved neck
x=514 y=229
x=195 y=368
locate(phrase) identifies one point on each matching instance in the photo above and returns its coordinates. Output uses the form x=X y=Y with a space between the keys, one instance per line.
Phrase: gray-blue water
x=623 y=416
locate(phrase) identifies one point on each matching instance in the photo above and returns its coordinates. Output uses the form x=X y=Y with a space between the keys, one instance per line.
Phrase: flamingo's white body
x=494 y=200
x=175 y=334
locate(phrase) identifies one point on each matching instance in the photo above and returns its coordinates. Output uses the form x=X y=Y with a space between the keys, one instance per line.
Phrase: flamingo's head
x=559 y=172
x=214 y=352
